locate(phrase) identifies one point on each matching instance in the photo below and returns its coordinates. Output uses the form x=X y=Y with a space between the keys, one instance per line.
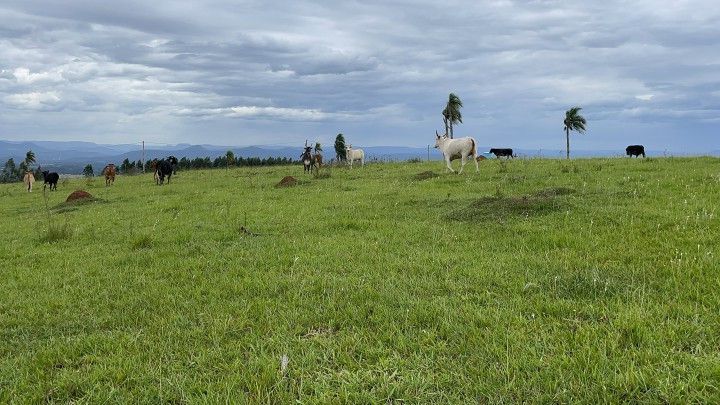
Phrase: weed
x=56 y=233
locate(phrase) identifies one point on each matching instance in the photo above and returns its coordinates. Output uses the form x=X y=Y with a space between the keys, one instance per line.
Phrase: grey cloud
x=180 y=69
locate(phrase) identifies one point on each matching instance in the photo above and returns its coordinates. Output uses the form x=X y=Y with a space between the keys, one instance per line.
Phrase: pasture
x=594 y=280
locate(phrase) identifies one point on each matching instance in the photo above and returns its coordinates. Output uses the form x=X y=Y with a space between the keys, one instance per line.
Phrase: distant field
x=595 y=280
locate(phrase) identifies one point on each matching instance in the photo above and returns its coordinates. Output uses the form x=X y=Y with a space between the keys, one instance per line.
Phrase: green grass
x=534 y=280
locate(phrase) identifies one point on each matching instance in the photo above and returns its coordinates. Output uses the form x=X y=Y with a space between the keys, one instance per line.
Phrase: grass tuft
x=56 y=233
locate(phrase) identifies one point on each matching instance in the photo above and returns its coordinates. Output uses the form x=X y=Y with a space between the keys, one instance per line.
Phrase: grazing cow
x=51 y=179
x=635 y=150
x=29 y=179
x=354 y=154
x=507 y=152
x=307 y=159
x=109 y=172
x=458 y=148
x=164 y=168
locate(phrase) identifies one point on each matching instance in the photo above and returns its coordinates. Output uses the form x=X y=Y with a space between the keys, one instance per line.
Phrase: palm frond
x=574 y=121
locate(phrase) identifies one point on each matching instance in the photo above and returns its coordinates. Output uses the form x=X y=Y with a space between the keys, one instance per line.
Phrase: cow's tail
x=473 y=150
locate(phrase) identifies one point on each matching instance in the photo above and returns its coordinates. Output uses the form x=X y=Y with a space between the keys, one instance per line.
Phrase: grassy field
x=595 y=280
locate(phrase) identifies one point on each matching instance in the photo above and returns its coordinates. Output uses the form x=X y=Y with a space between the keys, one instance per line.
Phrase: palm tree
x=340 y=147
x=451 y=113
x=573 y=122
x=29 y=158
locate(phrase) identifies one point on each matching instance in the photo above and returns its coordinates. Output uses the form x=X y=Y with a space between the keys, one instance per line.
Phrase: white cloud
x=33 y=101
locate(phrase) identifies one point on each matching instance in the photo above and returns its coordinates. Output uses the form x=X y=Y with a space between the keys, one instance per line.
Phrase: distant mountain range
x=70 y=157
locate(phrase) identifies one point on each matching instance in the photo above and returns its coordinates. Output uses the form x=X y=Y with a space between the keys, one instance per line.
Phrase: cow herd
x=163 y=168
x=451 y=149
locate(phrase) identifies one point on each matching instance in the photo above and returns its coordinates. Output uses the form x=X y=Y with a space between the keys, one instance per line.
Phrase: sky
x=277 y=73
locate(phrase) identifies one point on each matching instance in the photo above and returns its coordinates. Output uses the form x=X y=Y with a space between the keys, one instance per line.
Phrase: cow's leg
x=474 y=158
x=462 y=163
x=362 y=162
x=447 y=162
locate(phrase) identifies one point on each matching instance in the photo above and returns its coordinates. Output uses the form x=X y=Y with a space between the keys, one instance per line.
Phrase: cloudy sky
x=276 y=73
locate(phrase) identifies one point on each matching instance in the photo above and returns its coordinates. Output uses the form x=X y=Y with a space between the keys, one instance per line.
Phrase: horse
x=109 y=172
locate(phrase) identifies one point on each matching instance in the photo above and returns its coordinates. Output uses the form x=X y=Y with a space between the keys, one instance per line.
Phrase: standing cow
x=507 y=152
x=458 y=148
x=29 y=179
x=635 y=150
x=164 y=169
x=109 y=172
x=307 y=160
x=173 y=163
x=51 y=179
x=354 y=154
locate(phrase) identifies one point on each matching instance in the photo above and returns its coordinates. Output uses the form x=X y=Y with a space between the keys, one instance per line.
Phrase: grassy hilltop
x=541 y=280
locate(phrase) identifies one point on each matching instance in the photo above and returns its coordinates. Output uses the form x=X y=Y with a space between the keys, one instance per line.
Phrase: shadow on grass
x=69 y=206
x=425 y=175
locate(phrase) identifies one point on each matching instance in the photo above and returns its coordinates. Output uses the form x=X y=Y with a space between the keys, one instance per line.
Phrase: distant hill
x=71 y=156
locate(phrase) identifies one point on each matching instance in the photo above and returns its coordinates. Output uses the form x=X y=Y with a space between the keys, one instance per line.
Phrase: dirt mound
x=501 y=208
x=79 y=195
x=480 y=158
x=426 y=175
x=287 y=181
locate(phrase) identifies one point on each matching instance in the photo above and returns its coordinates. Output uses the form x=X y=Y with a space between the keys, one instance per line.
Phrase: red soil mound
x=78 y=195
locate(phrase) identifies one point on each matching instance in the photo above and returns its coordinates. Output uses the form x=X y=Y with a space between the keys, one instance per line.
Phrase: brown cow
x=109 y=172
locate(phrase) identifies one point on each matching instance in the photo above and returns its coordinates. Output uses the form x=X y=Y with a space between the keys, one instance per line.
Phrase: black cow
x=51 y=179
x=635 y=150
x=173 y=162
x=164 y=168
x=507 y=152
x=307 y=159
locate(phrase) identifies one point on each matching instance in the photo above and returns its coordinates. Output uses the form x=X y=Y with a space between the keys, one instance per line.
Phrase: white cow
x=354 y=154
x=459 y=148
x=29 y=179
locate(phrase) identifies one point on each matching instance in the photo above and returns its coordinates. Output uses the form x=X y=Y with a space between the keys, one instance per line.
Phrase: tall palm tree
x=573 y=122
x=29 y=158
x=451 y=113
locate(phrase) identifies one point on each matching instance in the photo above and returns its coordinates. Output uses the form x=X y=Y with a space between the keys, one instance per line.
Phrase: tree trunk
x=567 y=142
x=446 y=125
x=451 y=129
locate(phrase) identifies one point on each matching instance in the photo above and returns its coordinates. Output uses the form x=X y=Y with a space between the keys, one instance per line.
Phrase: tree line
x=12 y=172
